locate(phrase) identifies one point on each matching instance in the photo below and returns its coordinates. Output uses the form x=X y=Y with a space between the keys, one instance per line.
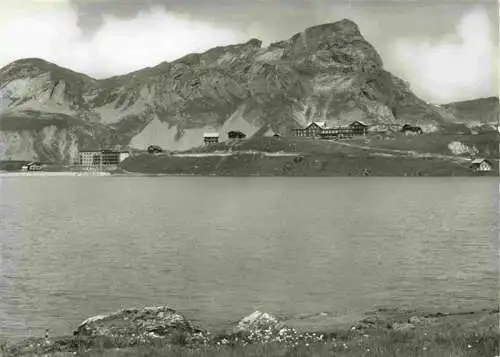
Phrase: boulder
x=259 y=321
x=133 y=326
x=261 y=327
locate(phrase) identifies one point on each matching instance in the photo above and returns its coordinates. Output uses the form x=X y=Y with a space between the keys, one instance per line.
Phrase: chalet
x=358 y=128
x=409 y=129
x=481 y=165
x=234 y=134
x=312 y=129
x=32 y=166
x=210 y=138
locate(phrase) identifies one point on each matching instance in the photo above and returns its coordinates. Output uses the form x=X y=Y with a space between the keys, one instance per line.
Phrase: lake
x=313 y=251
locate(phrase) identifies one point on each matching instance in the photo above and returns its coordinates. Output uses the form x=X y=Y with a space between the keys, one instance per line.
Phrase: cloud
x=48 y=29
x=460 y=66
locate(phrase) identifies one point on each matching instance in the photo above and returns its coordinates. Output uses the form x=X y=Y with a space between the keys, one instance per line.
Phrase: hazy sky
x=446 y=49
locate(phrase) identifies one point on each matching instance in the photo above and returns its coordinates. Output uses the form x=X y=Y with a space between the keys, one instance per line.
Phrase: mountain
x=477 y=112
x=326 y=72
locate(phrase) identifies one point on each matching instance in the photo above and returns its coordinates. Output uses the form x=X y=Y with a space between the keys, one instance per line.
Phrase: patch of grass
x=333 y=164
x=381 y=344
x=12 y=165
x=486 y=143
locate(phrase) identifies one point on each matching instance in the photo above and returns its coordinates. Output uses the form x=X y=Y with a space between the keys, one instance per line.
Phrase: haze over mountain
x=326 y=72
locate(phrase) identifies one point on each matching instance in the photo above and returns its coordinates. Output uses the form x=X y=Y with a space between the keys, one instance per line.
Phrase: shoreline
x=476 y=330
x=52 y=173
x=225 y=175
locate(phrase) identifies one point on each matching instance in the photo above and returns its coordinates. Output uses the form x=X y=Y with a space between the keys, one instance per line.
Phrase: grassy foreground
x=385 y=333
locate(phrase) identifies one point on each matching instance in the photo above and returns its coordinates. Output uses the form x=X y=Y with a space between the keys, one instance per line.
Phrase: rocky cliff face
x=327 y=72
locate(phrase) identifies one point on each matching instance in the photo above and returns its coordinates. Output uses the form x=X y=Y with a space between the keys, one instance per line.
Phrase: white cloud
x=452 y=70
x=461 y=66
x=48 y=29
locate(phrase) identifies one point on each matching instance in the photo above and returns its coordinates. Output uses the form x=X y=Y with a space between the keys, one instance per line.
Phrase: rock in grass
x=262 y=327
x=259 y=321
x=136 y=326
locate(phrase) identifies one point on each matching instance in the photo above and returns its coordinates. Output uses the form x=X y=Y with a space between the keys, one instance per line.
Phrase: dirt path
x=411 y=153
x=230 y=153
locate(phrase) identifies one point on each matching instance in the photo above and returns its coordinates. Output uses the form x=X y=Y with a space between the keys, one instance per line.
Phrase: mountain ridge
x=326 y=72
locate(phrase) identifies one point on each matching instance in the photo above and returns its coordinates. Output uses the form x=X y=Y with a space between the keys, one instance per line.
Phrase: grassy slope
x=320 y=158
x=487 y=143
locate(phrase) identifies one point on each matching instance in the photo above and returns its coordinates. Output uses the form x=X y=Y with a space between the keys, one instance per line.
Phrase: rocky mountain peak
x=327 y=73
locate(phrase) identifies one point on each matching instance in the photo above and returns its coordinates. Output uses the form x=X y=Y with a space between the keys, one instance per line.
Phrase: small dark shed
x=409 y=129
x=234 y=134
x=154 y=149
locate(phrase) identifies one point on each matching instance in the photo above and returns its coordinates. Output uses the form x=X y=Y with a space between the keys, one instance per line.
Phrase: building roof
x=101 y=150
x=211 y=135
x=360 y=122
x=321 y=124
x=479 y=161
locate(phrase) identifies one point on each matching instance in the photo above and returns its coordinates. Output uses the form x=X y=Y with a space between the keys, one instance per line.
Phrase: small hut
x=408 y=129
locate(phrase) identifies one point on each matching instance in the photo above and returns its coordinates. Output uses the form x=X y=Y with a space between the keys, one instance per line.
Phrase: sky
x=446 y=49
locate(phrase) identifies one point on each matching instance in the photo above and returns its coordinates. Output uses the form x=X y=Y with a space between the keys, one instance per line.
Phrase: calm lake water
x=219 y=248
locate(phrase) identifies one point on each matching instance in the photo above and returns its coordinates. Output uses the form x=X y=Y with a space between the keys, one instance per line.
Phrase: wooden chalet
x=312 y=129
x=358 y=128
x=481 y=166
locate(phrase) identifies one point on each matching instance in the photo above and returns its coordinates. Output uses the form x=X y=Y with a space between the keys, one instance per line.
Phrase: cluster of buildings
x=313 y=129
x=104 y=159
x=320 y=129
x=213 y=138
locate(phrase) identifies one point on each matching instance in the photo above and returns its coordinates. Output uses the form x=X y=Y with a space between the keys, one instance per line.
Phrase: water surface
x=219 y=248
